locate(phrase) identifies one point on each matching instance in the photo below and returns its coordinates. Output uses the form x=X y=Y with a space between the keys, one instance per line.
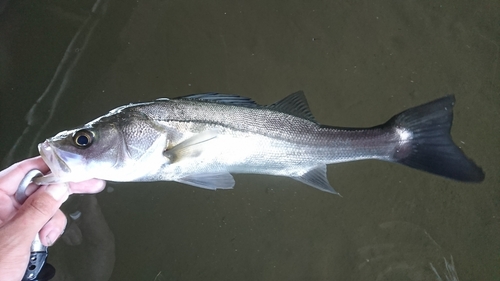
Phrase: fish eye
x=83 y=138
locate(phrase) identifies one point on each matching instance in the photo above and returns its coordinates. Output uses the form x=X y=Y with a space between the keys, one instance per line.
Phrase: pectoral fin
x=316 y=178
x=212 y=181
x=190 y=147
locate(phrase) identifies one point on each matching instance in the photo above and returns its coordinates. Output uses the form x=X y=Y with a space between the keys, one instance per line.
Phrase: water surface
x=358 y=62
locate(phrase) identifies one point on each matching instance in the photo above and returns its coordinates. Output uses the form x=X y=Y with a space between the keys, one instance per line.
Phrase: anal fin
x=316 y=177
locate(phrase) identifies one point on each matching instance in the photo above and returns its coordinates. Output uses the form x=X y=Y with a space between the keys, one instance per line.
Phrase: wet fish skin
x=201 y=139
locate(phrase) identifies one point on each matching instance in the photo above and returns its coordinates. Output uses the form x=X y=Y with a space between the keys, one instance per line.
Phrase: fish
x=202 y=139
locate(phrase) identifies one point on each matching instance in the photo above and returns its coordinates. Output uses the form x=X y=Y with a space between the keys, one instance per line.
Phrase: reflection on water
x=42 y=112
x=92 y=251
x=449 y=273
x=88 y=250
x=402 y=251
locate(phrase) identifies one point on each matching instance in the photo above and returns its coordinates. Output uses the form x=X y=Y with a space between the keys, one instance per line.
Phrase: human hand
x=19 y=224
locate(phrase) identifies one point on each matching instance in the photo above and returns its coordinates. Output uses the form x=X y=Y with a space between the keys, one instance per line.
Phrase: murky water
x=358 y=63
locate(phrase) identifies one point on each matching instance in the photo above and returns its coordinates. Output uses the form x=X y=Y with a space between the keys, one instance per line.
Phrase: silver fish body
x=201 y=139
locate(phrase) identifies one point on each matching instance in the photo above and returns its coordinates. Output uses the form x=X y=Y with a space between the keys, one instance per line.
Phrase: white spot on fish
x=404 y=135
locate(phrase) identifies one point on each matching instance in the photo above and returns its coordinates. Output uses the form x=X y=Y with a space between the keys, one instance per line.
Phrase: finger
x=38 y=209
x=88 y=186
x=7 y=209
x=53 y=229
x=12 y=176
x=73 y=235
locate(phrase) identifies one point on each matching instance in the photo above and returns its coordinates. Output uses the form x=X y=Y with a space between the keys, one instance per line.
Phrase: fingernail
x=58 y=191
x=52 y=237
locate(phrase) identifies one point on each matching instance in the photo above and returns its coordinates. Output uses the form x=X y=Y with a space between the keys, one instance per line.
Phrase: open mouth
x=57 y=166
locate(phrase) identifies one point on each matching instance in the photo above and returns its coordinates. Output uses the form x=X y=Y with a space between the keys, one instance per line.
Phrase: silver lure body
x=201 y=139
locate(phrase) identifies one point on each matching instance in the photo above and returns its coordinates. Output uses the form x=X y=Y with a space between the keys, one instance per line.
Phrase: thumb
x=38 y=209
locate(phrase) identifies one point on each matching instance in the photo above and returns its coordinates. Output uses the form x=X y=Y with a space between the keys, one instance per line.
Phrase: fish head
x=108 y=148
x=79 y=154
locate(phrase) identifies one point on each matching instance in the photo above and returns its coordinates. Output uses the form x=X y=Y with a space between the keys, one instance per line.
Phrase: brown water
x=359 y=62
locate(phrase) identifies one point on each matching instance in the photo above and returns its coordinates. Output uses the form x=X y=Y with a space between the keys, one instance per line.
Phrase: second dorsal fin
x=294 y=104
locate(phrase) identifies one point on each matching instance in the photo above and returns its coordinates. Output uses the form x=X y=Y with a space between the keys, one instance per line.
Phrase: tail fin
x=431 y=147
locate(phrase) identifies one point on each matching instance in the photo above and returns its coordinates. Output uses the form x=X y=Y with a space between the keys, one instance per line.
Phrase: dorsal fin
x=222 y=98
x=294 y=104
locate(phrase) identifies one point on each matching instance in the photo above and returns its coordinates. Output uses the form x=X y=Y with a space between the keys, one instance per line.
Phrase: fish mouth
x=56 y=164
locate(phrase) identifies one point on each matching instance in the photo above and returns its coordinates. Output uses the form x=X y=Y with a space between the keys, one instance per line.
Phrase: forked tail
x=429 y=146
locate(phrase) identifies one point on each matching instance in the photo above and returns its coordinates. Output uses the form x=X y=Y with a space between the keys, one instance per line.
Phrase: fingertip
x=53 y=229
x=88 y=186
x=50 y=238
x=99 y=185
x=73 y=235
x=58 y=191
